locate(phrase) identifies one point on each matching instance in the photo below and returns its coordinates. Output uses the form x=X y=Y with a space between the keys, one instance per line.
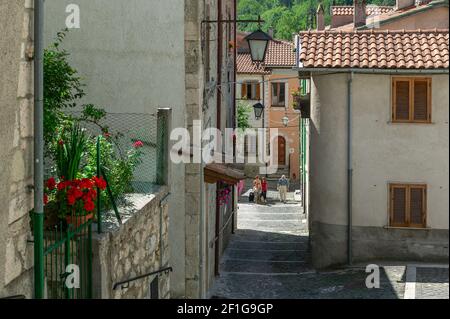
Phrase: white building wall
x=383 y=152
x=131 y=56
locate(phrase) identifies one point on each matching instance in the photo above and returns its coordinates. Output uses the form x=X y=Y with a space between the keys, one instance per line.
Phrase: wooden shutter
x=408 y=205
x=244 y=91
x=417 y=206
x=398 y=205
x=402 y=100
x=421 y=100
x=258 y=92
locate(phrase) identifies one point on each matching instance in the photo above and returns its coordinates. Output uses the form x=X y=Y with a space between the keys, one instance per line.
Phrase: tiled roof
x=375 y=49
x=387 y=16
x=245 y=65
x=370 y=10
x=279 y=54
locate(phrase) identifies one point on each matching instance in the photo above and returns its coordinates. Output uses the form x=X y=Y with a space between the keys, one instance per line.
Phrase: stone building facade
x=139 y=246
x=16 y=151
x=210 y=53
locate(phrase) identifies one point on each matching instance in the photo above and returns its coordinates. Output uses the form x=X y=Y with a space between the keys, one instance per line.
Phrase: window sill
x=412 y=123
x=407 y=228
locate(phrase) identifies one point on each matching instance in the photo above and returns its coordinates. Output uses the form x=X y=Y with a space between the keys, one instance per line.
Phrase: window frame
x=278 y=92
x=411 y=84
x=408 y=187
x=252 y=84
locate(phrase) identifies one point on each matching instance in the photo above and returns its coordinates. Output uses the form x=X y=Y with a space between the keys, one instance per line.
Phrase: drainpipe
x=349 y=168
x=38 y=220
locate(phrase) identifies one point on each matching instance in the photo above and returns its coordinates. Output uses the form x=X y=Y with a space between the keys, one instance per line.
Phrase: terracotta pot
x=77 y=221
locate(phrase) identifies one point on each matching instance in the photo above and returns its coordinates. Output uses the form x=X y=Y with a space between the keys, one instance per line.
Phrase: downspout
x=38 y=220
x=218 y=125
x=349 y=168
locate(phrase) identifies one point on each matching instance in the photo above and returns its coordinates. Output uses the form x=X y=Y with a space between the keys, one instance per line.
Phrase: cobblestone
x=268 y=258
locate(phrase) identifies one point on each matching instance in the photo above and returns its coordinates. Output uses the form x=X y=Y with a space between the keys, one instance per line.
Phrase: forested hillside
x=286 y=17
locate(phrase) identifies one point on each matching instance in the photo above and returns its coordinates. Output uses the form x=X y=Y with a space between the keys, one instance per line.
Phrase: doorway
x=281 y=141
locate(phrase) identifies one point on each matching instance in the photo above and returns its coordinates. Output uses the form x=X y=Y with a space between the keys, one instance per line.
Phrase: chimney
x=270 y=32
x=320 y=18
x=359 y=15
x=402 y=4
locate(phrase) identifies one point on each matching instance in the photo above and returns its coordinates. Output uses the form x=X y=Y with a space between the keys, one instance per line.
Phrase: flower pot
x=77 y=221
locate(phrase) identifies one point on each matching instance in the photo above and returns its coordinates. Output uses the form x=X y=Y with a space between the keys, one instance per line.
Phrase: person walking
x=264 y=190
x=283 y=184
x=257 y=189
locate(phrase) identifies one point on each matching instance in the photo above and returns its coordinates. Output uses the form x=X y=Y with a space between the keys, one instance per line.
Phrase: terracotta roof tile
x=370 y=10
x=279 y=54
x=245 y=65
x=375 y=49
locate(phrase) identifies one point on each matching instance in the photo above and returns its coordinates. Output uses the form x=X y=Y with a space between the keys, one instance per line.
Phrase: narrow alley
x=268 y=258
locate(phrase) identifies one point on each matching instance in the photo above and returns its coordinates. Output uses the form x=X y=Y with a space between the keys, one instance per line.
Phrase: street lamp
x=258 y=108
x=258 y=43
x=285 y=121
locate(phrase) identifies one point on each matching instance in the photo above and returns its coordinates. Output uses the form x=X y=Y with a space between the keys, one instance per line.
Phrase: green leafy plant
x=119 y=165
x=70 y=152
x=243 y=116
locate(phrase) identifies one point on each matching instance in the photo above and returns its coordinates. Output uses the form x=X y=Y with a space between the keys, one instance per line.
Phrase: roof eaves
x=431 y=5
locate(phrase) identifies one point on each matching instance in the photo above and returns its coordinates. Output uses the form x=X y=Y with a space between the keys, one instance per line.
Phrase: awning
x=222 y=172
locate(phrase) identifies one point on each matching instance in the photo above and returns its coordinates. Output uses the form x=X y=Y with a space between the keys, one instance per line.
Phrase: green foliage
x=243 y=115
x=63 y=89
x=119 y=166
x=70 y=152
x=287 y=17
x=73 y=152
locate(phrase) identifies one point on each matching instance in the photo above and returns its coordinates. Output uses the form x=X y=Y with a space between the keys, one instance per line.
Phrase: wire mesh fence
x=133 y=139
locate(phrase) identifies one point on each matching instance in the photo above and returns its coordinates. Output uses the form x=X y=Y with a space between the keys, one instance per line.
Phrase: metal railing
x=125 y=284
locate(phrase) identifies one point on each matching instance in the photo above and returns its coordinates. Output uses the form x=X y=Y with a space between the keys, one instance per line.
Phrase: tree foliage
x=287 y=17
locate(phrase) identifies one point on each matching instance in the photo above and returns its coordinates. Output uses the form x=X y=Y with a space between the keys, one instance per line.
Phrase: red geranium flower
x=51 y=183
x=61 y=142
x=86 y=183
x=71 y=199
x=138 y=144
x=45 y=199
x=100 y=182
x=89 y=205
x=62 y=185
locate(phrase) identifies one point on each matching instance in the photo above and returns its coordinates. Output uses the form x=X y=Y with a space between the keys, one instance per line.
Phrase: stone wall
x=139 y=246
x=16 y=151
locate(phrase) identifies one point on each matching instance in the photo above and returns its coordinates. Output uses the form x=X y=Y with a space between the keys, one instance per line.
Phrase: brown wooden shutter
x=244 y=91
x=258 y=92
x=402 y=100
x=417 y=206
x=398 y=205
x=420 y=100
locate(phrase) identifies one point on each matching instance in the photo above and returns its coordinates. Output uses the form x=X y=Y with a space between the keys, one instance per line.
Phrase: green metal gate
x=68 y=260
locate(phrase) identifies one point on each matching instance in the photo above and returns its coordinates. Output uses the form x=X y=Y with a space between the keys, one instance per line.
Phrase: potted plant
x=71 y=196
x=301 y=102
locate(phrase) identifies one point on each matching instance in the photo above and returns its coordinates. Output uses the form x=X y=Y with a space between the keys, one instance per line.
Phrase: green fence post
x=162 y=146
x=89 y=262
x=38 y=227
x=67 y=259
x=99 y=198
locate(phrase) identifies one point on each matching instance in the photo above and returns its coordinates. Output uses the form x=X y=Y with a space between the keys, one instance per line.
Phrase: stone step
x=268 y=255
x=272 y=225
x=251 y=216
x=261 y=245
x=253 y=236
x=262 y=266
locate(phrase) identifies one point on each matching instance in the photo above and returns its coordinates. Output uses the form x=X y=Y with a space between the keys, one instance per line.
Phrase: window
x=279 y=94
x=408 y=205
x=251 y=91
x=411 y=100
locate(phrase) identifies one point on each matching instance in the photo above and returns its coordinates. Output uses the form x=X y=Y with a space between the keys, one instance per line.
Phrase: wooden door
x=281 y=151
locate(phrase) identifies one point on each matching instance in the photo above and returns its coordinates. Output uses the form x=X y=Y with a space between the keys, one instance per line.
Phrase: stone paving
x=268 y=258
